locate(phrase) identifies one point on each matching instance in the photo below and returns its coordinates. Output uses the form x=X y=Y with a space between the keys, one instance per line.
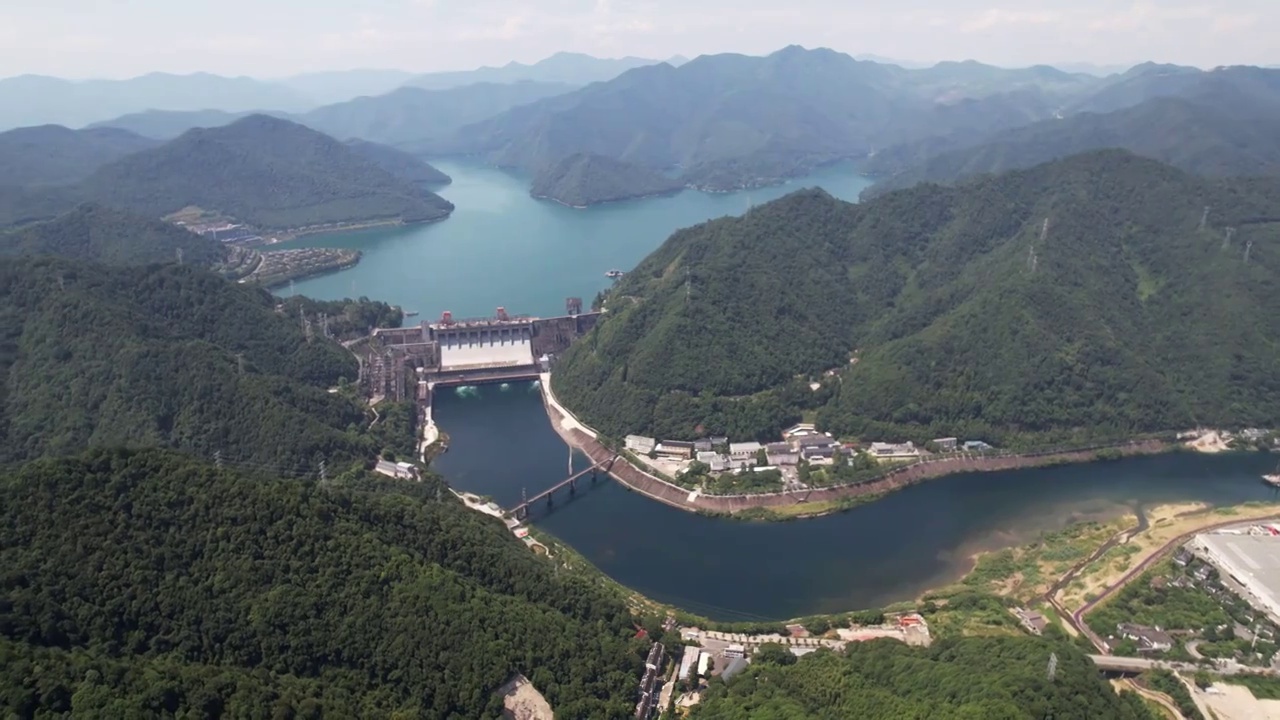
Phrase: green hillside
x=98 y=234
x=145 y=584
x=584 y=179
x=264 y=171
x=928 y=307
x=166 y=356
x=730 y=121
x=55 y=155
x=399 y=163
x=964 y=679
x=1217 y=138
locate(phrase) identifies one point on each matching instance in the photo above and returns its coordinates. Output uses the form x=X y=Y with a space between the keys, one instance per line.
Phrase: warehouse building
x=1252 y=561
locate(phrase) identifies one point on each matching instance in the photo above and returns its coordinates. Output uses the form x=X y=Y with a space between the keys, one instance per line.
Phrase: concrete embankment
x=583 y=438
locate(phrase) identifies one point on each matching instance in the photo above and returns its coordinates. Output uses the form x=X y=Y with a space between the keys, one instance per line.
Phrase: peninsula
x=586 y=179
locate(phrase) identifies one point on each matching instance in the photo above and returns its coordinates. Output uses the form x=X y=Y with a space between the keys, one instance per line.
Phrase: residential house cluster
x=721 y=455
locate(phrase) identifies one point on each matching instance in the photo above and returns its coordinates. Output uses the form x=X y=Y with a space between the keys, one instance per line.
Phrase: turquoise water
x=501 y=247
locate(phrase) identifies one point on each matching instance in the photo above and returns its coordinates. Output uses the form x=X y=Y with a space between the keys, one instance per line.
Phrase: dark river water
x=501 y=247
x=875 y=554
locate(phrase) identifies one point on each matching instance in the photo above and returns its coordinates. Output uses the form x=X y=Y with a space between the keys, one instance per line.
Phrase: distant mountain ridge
x=55 y=155
x=1219 y=124
x=36 y=100
x=732 y=121
x=563 y=68
x=268 y=172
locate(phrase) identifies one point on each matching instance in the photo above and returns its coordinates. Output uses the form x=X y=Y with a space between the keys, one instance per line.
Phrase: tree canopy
x=1077 y=300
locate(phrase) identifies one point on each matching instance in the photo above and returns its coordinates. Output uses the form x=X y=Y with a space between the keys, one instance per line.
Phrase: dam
x=409 y=363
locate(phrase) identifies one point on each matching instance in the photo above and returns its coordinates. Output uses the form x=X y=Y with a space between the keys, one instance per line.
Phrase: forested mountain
x=97 y=234
x=37 y=100
x=963 y=679
x=563 y=68
x=264 y=171
x=334 y=86
x=585 y=179
x=171 y=356
x=1076 y=300
x=729 y=121
x=169 y=124
x=55 y=155
x=1149 y=80
x=146 y=584
x=1221 y=139
x=414 y=117
x=399 y=163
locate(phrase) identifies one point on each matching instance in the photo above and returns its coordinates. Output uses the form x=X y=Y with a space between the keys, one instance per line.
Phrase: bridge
x=522 y=510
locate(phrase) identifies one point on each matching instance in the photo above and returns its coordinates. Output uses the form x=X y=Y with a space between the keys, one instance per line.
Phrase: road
x=1077 y=618
x=1132 y=664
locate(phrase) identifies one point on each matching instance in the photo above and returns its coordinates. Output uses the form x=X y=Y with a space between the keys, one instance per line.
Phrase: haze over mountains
x=268 y=172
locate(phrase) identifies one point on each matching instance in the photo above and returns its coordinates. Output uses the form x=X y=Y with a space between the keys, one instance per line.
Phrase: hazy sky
x=266 y=38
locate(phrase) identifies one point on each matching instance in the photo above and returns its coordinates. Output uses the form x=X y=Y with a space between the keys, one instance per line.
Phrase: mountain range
x=1218 y=123
x=55 y=155
x=561 y=68
x=264 y=171
x=37 y=100
x=1070 y=302
x=730 y=121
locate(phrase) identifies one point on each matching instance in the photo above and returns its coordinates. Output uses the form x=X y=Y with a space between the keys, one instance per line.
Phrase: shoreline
x=664 y=193
x=820 y=501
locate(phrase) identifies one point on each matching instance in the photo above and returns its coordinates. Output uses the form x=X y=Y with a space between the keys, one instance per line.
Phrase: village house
x=675 y=449
x=1149 y=639
x=947 y=444
x=744 y=450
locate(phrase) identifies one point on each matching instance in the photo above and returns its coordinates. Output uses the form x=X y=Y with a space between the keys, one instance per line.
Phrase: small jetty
x=615 y=274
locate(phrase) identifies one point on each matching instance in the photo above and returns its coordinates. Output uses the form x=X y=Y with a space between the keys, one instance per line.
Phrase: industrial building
x=1252 y=561
x=688 y=661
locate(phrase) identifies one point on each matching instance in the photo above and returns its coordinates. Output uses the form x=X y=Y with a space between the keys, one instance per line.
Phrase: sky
x=276 y=38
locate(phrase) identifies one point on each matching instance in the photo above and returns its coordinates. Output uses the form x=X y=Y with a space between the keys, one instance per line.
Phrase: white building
x=1253 y=561
x=398 y=470
x=640 y=444
x=744 y=450
x=704 y=663
x=687 y=662
x=891 y=450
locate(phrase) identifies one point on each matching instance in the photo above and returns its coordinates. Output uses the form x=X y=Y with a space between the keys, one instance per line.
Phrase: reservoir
x=501 y=247
x=892 y=549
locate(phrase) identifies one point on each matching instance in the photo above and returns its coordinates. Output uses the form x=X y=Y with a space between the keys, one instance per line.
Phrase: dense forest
x=147 y=584
x=1076 y=301
x=99 y=234
x=399 y=163
x=972 y=678
x=167 y=355
x=260 y=170
x=347 y=319
x=55 y=155
x=586 y=179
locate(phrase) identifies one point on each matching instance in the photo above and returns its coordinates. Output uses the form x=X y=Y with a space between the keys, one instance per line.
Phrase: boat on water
x=1273 y=479
x=615 y=274
x=410 y=313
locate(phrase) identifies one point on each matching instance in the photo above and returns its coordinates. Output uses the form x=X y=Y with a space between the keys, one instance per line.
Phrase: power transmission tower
x=217 y=458
x=240 y=362
x=306 y=324
x=62 y=282
x=324 y=474
x=1053 y=666
x=1031 y=259
x=688 y=286
x=1204 y=219
x=1044 y=230
x=1226 y=239
x=1248 y=246
x=292 y=292
x=179 y=256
